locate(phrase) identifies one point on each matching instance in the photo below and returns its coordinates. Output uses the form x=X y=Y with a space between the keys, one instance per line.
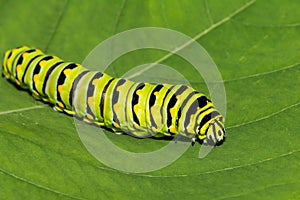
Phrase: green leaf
x=255 y=45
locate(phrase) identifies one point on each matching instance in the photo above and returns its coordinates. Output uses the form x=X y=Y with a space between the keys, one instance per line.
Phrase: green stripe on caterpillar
x=138 y=109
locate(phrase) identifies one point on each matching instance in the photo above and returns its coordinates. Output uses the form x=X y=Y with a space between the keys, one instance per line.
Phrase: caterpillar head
x=214 y=135
x=215 y=132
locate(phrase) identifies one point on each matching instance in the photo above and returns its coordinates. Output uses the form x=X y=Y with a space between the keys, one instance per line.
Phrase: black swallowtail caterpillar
x=136 y=108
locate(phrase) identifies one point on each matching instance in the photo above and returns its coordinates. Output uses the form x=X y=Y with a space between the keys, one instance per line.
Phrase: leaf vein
x=56 y=25
x=264 y=117
x=291 y=25
x=208 y=12
x=22 y=109
x=198 y=36
x=118 y=17
x=223 y=169
x=264 y=73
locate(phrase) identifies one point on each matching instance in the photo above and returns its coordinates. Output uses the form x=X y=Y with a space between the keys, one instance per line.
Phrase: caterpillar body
x=136 y=108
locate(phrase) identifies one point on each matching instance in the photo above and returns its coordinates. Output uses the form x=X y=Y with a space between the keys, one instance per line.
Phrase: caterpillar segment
x=136 y=108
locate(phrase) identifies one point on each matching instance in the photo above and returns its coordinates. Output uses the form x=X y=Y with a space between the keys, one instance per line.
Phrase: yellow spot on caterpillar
x=190 y=130
x=155 y=93
x=154 y=129
x=87 y=120
x=25 y=55
x=90 y=101
x=8 y=62
x=69 y=112
x=60 y=89
x=119 y=87
x=95 y=82
x=18 y=68
x=136 y=108
x=18 y=83
x=191 y=118
x=60 y=104
x=90 y=117
x=172 y=129
x=201 y=137
x=116 y=125
x=138 y=92
x=36 y=78
x=99 y=123
x=56 y=108
x=202 y=131
x=67 y=71
x=36 y=94
x=43 y=63
x=136 y=126
x=116 y=107
x=172 y=111
x=45 y=99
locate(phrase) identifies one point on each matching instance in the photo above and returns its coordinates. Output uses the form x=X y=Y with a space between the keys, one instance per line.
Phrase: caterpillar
x=136 y=108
